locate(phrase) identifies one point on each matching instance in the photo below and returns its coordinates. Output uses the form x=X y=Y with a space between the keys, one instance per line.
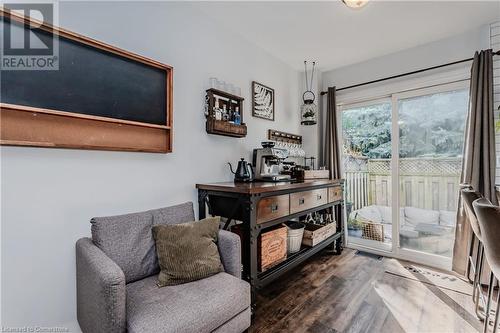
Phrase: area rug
x=427 y=275
x=369 y=255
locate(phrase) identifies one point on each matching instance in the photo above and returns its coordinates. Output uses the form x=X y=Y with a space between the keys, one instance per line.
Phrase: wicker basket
x=373 y=231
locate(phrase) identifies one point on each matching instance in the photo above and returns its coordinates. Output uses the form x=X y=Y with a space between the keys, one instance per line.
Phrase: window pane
x=431 y=134
x=367 y=146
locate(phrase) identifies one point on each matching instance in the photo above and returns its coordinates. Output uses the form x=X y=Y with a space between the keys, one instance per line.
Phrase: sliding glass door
x=367 y=136
x=431 y=138
x=402 y=162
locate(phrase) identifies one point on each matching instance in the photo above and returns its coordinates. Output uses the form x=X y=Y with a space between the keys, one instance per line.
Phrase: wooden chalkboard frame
x=22 y=125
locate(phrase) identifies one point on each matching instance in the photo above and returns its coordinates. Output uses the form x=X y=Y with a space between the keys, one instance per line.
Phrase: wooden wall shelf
x=36 y=128
x=226 y=128
x=222 y=127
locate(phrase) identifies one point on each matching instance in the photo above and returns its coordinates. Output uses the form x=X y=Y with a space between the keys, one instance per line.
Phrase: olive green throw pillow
x=187 y=251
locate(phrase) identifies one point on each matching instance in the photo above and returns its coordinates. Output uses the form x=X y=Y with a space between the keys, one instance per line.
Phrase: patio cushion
x=388 y=232
x=128 y=239
x=408 y=232
x=368 y=213
x=404 y=231
x=431 y=229
x=414 y=216
x=386 y=213
x=447 y=218
x=198 y=306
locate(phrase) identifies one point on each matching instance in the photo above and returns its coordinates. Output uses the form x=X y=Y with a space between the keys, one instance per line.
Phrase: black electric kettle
x=244 y=171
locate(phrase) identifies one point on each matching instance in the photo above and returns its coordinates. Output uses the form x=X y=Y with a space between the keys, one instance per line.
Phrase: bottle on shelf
x=207 y=106
x=237 y=116
x=217 y=111
x=225 y=115
x=231 y=114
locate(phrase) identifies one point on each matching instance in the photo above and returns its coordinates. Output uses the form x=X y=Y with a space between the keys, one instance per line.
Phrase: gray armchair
x=116 y=273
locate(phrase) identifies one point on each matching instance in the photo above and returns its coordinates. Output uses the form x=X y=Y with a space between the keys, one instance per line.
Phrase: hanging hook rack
x=275 y=135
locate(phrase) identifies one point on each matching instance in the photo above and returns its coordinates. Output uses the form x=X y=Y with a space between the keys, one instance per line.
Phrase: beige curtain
x=478 y=169
x=332 y=150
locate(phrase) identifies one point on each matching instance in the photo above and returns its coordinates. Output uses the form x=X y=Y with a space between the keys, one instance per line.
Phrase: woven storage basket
x=373 y=231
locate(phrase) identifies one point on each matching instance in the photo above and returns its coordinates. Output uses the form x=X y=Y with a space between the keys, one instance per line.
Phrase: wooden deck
x=353 y=293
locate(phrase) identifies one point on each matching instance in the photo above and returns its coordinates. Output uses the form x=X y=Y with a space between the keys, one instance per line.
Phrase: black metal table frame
x=247 y=202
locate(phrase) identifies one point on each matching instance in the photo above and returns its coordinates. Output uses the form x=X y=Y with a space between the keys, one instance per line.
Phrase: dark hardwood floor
x=353 y=293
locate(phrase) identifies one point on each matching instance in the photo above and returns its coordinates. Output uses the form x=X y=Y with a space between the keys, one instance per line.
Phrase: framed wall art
x=262 y=101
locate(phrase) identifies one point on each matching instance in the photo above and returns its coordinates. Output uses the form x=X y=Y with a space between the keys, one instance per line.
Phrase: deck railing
x=428 y=183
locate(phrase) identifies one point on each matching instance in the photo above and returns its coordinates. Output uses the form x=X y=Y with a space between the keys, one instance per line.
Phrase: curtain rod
x=405 y=74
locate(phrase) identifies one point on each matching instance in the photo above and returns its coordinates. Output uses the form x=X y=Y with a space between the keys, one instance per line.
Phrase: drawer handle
x=274 y=207
x=301 y=201
x=318 y=196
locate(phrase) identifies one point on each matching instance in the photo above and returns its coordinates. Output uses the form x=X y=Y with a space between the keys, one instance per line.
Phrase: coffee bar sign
x=29 y=44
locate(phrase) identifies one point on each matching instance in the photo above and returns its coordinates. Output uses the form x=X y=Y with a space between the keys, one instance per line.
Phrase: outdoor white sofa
x=420 y=229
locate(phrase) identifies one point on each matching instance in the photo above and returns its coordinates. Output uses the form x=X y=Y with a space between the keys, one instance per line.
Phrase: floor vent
x=369 y=255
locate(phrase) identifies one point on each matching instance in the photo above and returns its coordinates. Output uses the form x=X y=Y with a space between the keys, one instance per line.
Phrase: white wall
x=49 y=195
x=495 y=45
x=432 y=54
x=311 y=134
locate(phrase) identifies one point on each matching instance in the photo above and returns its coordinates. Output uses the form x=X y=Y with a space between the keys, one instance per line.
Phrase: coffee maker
x=268 y=162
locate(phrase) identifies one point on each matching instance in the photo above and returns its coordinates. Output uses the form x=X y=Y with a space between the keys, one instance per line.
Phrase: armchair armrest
x=100 y=289
x=230 y=252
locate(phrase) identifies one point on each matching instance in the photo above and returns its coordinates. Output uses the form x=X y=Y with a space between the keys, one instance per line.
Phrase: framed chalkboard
x=101 y=97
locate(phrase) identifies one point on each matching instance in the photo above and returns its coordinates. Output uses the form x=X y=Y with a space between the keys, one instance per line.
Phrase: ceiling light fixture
x=356 y=4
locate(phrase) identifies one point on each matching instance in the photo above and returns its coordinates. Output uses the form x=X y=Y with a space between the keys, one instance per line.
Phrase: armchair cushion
x=128 y=239
x=198 y=306
x=174 y=214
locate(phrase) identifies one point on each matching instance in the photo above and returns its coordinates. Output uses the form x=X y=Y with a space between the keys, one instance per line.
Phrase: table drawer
x=271 y=208
x=308 y=199
x=334 y=193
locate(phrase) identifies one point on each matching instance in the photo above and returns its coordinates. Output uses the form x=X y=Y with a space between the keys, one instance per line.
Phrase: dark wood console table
x=261 y=205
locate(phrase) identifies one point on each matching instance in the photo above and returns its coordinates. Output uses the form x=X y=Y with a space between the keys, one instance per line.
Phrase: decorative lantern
x=309 y=110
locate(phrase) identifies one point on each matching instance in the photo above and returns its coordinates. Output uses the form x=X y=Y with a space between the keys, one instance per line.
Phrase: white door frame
x=395 y=250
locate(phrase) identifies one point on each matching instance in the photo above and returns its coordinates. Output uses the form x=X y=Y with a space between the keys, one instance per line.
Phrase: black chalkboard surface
x=91 y=81
x=101 y=97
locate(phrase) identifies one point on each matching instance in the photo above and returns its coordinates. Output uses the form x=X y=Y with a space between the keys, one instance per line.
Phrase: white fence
x=429 y=183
